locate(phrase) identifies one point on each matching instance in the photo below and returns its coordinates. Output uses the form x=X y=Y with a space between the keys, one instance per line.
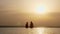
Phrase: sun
x=40 y=10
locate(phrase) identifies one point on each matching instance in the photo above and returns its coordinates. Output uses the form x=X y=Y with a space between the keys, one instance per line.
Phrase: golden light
x=40 y=10
x=41 y=30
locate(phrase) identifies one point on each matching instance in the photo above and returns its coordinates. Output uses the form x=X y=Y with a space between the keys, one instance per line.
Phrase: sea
x=36 y=30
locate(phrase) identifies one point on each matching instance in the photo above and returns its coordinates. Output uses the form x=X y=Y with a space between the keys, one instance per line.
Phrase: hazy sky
x=17 y=12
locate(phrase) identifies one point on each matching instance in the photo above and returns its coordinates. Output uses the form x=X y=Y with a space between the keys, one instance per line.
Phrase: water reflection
x=41 y=30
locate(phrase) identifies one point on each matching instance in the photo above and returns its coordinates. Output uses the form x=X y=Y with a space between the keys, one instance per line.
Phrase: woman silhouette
x=31 y=24
x=26 y=25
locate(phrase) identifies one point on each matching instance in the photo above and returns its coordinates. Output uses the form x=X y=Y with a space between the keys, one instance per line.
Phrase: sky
x=41 y=12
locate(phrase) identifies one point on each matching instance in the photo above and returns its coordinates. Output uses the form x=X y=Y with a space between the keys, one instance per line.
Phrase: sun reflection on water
x=41 y=30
